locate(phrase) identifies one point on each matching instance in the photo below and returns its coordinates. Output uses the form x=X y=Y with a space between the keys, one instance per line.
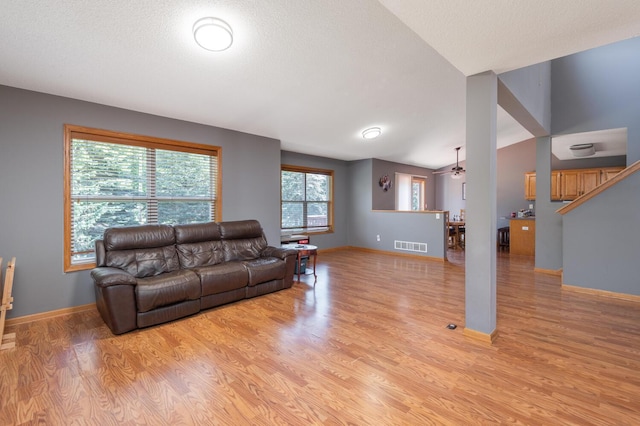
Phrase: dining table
x=456 y=226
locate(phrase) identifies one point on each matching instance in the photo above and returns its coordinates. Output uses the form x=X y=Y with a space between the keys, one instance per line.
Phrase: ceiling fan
x=457 y=171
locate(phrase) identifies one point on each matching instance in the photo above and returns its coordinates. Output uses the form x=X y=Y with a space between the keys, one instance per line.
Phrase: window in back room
x=411 y=192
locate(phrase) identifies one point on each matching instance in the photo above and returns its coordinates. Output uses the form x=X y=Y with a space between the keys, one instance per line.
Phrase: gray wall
x=386 y=200
x=599 y=89
x=531 y=87
x=595 y=90
x=548 y=222
x=338 y=238
x=31 y=186
x=365 y=224
x=601 y=240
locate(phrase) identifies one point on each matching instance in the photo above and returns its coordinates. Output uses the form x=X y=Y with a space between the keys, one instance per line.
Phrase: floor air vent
x=409 y=246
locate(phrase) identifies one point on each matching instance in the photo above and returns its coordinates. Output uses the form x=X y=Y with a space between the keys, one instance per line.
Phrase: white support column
x=480 y=240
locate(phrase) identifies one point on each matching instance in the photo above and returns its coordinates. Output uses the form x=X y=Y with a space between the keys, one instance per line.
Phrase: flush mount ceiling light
x=582 y=150
x=372 y=133
x=213 y=34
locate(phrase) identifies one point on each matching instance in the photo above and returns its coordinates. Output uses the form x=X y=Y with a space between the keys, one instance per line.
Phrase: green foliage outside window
x=306 y=198
x=115 y=184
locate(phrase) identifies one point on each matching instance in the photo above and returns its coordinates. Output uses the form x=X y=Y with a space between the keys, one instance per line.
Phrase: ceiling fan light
x=372 y=133
x=213 y=34
x=456 y=175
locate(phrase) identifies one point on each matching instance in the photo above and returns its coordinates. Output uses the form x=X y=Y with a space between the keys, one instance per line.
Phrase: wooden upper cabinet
x=610 y=172
x=555 y=185
x=574 y=183
x=530 y=186
x=589 y=179
x=567 y=185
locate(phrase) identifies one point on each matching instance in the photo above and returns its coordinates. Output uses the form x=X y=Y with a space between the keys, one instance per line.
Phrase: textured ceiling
x=502 y=35
x=311 y=74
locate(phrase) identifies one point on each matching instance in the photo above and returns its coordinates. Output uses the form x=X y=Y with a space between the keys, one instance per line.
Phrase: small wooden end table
x=304 y=250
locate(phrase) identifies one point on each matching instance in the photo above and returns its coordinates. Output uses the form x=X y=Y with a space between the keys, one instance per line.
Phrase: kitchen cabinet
x=609 y=172
x=567 y=185
x=574 y=183
x=589 y=179
x=555 y=185
x=530 y=186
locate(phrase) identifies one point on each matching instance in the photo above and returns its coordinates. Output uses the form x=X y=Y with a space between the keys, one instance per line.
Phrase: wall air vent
x=409 y=246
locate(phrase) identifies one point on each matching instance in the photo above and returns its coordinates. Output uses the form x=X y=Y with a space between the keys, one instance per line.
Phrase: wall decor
x=464 y=190
x=385 y=182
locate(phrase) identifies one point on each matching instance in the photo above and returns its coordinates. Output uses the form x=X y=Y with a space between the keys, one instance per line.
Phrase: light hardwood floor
x=368 y=345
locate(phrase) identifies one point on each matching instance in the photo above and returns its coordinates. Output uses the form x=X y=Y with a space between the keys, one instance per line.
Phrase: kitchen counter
x=522 y=236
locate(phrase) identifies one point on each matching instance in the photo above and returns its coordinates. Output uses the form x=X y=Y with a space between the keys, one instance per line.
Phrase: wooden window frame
x=330 y=203
x=100 y=135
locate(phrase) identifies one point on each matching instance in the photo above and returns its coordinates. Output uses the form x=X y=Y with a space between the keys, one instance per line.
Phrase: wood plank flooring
x=368 y=345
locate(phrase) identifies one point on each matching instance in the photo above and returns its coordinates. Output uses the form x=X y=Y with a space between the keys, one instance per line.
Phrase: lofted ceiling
x=311 y=74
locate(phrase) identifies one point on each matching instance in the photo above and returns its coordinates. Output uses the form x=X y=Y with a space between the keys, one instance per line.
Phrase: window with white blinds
x=115 y=179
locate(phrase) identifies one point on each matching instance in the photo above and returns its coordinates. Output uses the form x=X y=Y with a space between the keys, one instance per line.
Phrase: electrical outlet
x=530 y=206
x=377 y=237
x=437 y=216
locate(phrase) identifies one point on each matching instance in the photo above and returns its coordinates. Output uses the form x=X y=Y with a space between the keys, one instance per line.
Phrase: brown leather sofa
x=151 y=274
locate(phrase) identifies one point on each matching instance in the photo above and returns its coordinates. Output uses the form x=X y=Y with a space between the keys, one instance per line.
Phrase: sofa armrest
x=105 y=276
x=278 y=252
x=288 y=255
x=115 y=298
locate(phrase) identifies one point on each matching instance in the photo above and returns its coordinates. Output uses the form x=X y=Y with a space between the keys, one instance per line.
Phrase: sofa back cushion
x=142 y=251
x=199 y=244
x=136 y=237
x=242 y=240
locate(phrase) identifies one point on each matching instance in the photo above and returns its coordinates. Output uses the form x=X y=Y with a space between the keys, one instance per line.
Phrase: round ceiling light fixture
x=372 y=133
x=582 y=150
x=213 y=34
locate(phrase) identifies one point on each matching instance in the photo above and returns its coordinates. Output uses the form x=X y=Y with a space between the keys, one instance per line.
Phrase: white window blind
x=403 y=191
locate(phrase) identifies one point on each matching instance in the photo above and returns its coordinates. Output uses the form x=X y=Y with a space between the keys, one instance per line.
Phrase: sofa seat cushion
x=222 y=277
x=265 y=269
x=167 y=289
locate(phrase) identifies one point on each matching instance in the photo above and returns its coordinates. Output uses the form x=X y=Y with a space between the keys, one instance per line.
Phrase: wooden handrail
x=597 y=190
